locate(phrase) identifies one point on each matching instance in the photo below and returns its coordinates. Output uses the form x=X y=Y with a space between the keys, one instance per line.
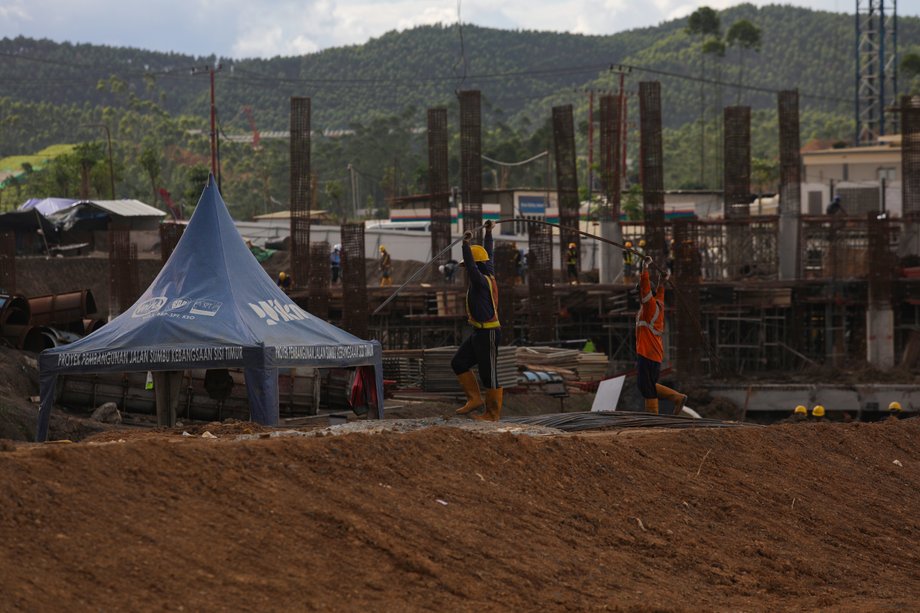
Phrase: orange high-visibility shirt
x=650 y=320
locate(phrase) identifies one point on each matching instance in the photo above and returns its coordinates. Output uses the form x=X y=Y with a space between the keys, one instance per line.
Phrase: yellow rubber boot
x=471 y=389
x=673 y=395
x=651 y=405
x=493 y=410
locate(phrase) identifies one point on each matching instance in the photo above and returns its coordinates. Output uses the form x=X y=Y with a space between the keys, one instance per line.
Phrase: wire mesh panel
x=170 y=233
x=354 y=280
x=833 y=248
x=566 y=179
x=505 y=276
x=652 y=167
x=301 y=192
x=318 y=303
x=737 y=178
x=8 y=262
x=756 y=238
x=687 y=338
x=790 y=157
x=470 y=159
x=610 y=156
x=438 y=184
x=910 y=157
x=540 y=284
x=123 y=277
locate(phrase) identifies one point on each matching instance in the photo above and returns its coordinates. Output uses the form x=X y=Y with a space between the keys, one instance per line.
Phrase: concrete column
x=880 y=336
x=788 y=245
x=610 y=264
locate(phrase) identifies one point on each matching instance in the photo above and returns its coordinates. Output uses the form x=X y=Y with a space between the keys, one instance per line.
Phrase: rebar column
x=123 y=277
x=790 y=183
x=687 y=336
x=910 y=175
x=566 y=181
x=471 y=160
x=737 y=182
x=542 y=309
x=651 y=167
x=354 y=280
x=301 y=192
x=170 y=234
x=881 y=264
x=318 y=302
x=438 y=185
x=8 y=262
x=610 y=264
x=505 y=276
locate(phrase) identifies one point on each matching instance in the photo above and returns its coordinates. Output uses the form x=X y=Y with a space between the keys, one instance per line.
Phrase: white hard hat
x=337 y=247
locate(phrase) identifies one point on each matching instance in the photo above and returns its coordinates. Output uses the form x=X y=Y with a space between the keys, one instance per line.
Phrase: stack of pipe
x=43 y=322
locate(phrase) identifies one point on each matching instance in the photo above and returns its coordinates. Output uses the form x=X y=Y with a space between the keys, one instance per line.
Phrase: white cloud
x=14 y=11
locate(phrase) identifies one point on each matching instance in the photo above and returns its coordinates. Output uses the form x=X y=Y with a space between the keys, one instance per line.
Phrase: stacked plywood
x=438 y=376
x=592 y=366
x=571 y=364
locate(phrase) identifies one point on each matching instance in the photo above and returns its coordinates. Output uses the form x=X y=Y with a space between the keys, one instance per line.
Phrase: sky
x=267 y=28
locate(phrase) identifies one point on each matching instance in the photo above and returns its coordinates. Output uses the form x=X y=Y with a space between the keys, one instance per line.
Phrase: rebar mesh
x=652 y=167
x=737 y=177
x=123 y=278
x=910 y=157
x=354 y=280
x=838 y=248
x=301 y=190
x=790 y=157
x=540 y=284
x=566 y=179
x=505 y=276
x=170 y=233
x=881 y=261
x=8 y=262
x=470 y=159
x=318 y=302
x=610 y=156
x=438 y=184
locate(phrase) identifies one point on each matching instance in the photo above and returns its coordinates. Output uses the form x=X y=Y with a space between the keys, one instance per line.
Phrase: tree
x=88 y=155
x=910 y=69
x=150 y=162
x=704 y=22
x=745 y=36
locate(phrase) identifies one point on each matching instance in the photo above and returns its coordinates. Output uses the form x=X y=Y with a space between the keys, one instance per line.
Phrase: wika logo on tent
x=273 y=311
x=178 y=304
x=208 y=308
x=149 y=306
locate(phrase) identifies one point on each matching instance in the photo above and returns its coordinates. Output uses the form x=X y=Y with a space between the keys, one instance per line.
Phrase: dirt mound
x=784 y=517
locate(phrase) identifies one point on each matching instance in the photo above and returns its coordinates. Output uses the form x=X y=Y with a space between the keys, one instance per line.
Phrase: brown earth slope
x=780 y=518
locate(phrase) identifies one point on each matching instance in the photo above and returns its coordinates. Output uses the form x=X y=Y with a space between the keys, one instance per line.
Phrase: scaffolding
x=301 y=191
x=876 y=68
x=566 y=180
x=471 y=159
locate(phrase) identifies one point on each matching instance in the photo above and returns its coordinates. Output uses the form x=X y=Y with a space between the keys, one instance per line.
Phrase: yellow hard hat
x=628 y=244
x=818 y=411
x=894 y=406
x=382 y=248
x=282 y=275
x=800 y=410
x=479 y=254
x=642 y=243
x=571 y=245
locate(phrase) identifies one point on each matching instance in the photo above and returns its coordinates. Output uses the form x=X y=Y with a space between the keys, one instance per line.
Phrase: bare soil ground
x=791 y=517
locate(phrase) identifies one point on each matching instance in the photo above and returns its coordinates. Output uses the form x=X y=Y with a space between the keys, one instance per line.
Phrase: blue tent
x=212 y=306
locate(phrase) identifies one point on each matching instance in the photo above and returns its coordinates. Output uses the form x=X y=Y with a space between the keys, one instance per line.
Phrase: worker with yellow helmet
x=629 y=262
x=284 y=281
x=894 y=410
x=480 y=348
x=571 y=263
x=385 y=265
x=800 y=413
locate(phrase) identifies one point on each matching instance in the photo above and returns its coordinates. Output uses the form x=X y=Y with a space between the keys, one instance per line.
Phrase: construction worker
x=449 y=270
x=818 y=412
x=800 y=413
x=894 y=410
x=571 y=262
x=335 y=262
x=284 y=281
x=649 y=348
x=629 y=260
x=385 y=264
x=641 y=248
x=481 y=348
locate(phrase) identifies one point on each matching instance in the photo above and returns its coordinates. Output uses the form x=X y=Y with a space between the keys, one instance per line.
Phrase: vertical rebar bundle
x=881 y=260
x=354 y=280
x=566 y=178
x=301 y=192
x=505 y=276
x=687 y=335
x=790 y=157
x=8 y=262
x=737 y=146
x=540 y=284
x=438 y=183
x=470 y=159
x=123 y=277
x=652 y=167
x=910 y=158
x=610 y=156
x=170 y=233
x=318 y=303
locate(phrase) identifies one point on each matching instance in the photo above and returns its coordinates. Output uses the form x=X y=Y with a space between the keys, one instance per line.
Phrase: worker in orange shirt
x=649 y=348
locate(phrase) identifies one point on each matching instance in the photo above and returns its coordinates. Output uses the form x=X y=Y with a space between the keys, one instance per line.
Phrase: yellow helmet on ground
x=629 y=244
x=571 y=245
x=642 y=243
x=894 y=406
x=479 y=254
x=818 y=411
x=800 y=410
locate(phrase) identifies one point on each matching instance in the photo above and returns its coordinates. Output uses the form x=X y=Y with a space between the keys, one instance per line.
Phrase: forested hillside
x=156 y=108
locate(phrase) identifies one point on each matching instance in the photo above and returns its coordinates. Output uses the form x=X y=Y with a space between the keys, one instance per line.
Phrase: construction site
x=186 y=427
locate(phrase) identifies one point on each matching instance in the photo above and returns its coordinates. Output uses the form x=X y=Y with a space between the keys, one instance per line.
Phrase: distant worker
x=335 y=262
x=629 y=261
x=817 y=413
x=480 y=348
x=385 y=263
x=800 y=413
x=641 y=248
x=649 y=348
x=894 y=410
x=284 y=281
x=448 y=270
x=835 y=207
x=571 y=263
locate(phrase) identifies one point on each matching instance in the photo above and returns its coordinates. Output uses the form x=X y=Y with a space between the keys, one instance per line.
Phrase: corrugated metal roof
x=127 y=208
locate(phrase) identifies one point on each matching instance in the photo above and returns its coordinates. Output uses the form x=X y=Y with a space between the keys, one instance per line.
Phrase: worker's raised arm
x=472 y=271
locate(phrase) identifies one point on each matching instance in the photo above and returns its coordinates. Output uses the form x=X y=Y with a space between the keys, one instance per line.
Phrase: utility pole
x=213 y=111
x=108 y=137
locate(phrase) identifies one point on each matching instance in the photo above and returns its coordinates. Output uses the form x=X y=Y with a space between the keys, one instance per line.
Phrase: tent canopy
x=212 y=306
